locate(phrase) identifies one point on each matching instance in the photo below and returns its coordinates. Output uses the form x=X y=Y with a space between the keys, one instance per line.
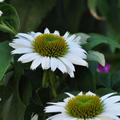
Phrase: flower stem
x=45 y=81
x=52 y=81
x=49 y=79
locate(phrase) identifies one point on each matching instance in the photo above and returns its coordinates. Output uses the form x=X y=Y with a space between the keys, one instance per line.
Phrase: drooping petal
x=67 y=63
x=77 y=60
x=28 y=57
x=61 y=67
x=45 y=63
x=54 y=64
x=36 y=63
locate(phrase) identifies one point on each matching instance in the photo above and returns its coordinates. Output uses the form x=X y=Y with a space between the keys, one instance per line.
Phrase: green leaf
x=13 y=109
x=103 y=91
x=5 y=59
x=115 y=80
x=84 y=37
x=26 y=88
x=92 y=5
x=110 y=11
x=9 y=21
x=96 y=39
x=96 y=56
x=32 y=13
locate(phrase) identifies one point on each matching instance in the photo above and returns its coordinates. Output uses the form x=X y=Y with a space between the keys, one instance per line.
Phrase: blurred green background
x=20 y=90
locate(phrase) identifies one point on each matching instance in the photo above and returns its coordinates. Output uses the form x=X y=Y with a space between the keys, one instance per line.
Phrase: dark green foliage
x=22 y=90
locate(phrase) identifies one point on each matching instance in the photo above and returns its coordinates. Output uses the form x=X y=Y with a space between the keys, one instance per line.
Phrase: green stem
x=49 y=79
x=45 y=79
x=52 y=83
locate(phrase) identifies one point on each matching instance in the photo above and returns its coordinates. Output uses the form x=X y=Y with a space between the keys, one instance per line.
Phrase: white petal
x=90 y=93
x=66 y=35
x=45 y=63
x=105 y=118
x=81 y=93
x=73 y=47
x=76 y=60
x=77 y=40
x=56 y=32
x=67 y=63
x=69 y=94
x=54 y=108
x=36 y=63
x=110 y=115
x=71 y=38
x=19 y=43
x=46 y=31
x=70 y=72
x=66 y=100
x=57 y=103
x=113 y=108
x=106 y=96
x=34 y=35
x=112 y=99
x=22 y=50
x=62 y=117
x=54 y=64
x=28 y=57
x=62 y=67
x=27 y=36
x=35 y=117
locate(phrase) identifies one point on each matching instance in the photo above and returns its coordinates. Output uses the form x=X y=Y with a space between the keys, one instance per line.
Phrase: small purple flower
x=103 y=69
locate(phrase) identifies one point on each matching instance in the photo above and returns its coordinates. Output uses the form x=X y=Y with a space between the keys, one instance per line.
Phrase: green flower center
x=50 y=45
x=84 y=107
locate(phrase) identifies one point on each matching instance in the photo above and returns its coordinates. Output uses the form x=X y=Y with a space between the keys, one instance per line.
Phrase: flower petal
x=56 y=32
x=46 y=31
x=66 y=35
x=106 y=96
x=36 y=63
x=28 y=57
x=22 y=50
x=23 y=35
x=45 y=63
x=90 y=93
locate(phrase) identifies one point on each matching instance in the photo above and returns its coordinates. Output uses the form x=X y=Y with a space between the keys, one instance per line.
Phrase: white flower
x=50 y=50
x=2 y=1
x=86 y=107
x=35 y=117
x=1 y=13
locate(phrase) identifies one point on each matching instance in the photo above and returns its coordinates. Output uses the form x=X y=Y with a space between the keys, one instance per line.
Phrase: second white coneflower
x=1 y=13
x=50 y=50
x=87 y=106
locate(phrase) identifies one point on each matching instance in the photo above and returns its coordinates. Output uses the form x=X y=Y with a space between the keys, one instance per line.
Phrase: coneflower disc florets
x=84 y=106
x=50 y=45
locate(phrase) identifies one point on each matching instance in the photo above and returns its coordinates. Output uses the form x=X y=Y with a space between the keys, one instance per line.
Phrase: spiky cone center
x=50 y=45
x=84 y=107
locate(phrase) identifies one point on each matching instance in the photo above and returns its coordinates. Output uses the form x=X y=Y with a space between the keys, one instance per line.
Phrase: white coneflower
x=2 y=1
x=1 y=13
x=50 y=50
x=86 y=107
x=35 y=117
